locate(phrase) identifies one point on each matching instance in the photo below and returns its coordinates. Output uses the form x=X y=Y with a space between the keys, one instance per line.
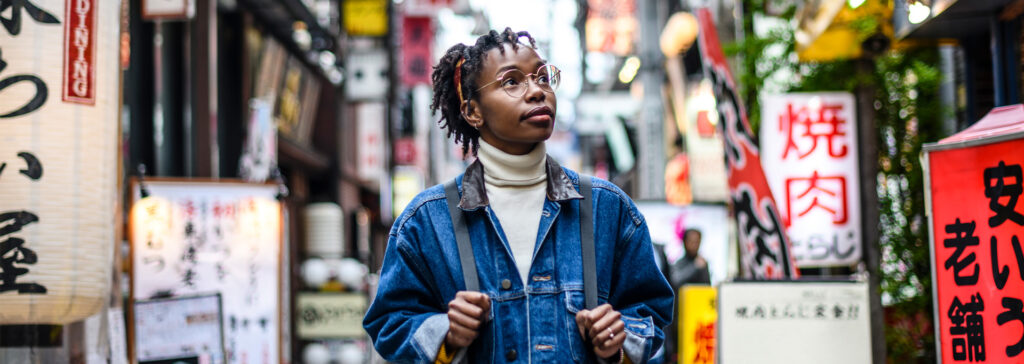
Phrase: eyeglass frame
x=529 y=76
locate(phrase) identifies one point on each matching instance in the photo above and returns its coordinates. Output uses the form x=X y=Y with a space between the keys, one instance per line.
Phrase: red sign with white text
x=79 y=52
x=977 y=224
x=417 y=36
x=764 y=244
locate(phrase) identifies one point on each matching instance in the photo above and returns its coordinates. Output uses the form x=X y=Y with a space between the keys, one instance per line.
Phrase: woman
x=521 y=211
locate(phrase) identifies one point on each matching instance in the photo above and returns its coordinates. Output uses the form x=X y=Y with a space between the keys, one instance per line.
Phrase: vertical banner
x=370 y=121
x=977 y=224
x=809 y=154
x=764 y=245
x=698 y=316
x=59 y=100
x=417 y=56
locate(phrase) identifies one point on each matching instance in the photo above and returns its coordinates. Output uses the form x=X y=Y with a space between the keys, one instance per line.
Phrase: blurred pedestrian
x=689 y=269
x=521 y=212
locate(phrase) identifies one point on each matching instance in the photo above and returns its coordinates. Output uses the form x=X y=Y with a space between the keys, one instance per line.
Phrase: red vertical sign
x=977 y=224
x=417 y=36
x=79 y=52
x=764 y=244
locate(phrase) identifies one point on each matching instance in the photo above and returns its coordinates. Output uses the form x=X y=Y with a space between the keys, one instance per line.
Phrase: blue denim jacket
x=530 y=321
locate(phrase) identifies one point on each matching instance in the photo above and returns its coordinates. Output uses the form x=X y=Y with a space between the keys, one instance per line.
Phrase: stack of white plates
x=324 y=230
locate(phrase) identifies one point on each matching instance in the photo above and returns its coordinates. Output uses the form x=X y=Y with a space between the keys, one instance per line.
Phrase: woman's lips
x=539 y=115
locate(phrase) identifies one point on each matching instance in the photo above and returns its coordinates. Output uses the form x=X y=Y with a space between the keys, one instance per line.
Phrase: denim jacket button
x=505 y=284
x=511 y=355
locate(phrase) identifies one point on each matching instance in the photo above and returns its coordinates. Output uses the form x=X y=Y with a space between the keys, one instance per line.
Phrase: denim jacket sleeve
x=638 y=289
x=406 y=320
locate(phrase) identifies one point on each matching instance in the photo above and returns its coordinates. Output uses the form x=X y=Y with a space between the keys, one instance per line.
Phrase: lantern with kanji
x=59 y=99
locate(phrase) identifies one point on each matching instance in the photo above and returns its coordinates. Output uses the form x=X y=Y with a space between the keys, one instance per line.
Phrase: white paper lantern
x=324 y=230
x=351 y=353
x=59 y=81
x=315 y=353
x=351 y=272
x=315 y=272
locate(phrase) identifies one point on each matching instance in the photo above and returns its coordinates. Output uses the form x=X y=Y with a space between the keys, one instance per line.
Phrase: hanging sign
x=809 y=154
x=973 y=182
x=764 y=245
x=417 y=55
x=366 y=17
x=59 y=86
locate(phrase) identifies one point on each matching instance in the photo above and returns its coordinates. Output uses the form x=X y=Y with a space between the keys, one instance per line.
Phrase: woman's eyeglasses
x=515 y=82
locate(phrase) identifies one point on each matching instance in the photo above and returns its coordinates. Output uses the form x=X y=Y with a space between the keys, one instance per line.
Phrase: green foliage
x=908 y=113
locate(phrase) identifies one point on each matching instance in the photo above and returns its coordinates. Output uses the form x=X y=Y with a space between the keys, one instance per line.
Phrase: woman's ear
x=471 y=113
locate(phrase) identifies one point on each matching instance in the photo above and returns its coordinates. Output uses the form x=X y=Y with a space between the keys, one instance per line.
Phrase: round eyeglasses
x=515 y=82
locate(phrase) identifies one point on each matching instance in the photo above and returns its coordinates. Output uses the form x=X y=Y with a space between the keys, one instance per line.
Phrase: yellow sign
x=366 y=17
x=330 y=315
x=697 y=324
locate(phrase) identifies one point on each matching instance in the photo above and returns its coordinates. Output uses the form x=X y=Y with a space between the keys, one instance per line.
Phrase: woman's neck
x=504 y=169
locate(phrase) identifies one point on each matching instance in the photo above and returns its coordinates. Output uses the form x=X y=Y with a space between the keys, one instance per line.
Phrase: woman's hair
x=446 y=94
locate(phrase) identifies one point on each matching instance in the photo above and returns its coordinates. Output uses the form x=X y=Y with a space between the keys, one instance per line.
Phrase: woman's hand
x=466 y=314
x=604 y=326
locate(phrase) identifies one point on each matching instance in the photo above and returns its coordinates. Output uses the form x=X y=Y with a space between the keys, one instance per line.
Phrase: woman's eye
x=543 y=79
x=509 y=82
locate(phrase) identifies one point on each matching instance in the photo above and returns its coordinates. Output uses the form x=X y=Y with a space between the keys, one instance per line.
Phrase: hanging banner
x=59 y=87
x=764 y=245
x=809 y=155
x=698 y=315
x=417 y=55
x=973 y=182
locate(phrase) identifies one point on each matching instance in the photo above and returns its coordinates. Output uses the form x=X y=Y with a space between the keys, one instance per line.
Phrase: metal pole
x=868 y=160
x=651 y=181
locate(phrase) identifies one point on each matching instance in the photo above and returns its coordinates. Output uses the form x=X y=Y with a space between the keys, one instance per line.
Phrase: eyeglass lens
x=514 y=82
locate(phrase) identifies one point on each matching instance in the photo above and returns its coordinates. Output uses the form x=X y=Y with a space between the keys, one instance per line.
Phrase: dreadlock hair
x=446 y=96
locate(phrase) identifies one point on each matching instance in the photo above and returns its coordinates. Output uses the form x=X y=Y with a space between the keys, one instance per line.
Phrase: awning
x=951 y=19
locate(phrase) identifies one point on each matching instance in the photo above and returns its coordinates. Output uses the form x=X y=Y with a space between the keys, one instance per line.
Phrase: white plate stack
x=324 y=230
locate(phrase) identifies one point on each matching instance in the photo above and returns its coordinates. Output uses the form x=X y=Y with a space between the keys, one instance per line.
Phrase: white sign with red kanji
x=370 y=120
x=809 y=154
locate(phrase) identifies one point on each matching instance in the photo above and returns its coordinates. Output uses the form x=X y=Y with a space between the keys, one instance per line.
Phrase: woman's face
x=513 y=124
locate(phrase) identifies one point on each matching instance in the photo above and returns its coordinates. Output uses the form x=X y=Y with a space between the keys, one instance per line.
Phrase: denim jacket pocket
x=574 y=302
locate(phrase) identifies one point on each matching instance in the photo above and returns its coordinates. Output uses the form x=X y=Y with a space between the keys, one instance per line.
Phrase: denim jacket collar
x=474 y=194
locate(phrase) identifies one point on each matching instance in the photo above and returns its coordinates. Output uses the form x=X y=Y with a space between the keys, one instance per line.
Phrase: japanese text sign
x=809 y=154
x=697 y=318
x=977 y=224
x=59 y=113
x=330 y=315
x=764 y=245
x=794 y=322
x=417 y=56
x=197 y=237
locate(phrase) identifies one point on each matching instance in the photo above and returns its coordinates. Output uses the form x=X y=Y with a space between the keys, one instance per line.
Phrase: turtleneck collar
x=503 y=169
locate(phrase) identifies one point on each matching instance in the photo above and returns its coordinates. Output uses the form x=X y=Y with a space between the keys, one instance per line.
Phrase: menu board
x=179 y=328
x=194 y=237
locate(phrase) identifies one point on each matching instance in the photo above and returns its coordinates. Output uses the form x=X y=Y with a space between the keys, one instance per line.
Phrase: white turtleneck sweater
x=516 y=187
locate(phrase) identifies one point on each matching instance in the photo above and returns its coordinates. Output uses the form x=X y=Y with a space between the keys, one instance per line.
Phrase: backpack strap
x=451 y=191
x=587 y=242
